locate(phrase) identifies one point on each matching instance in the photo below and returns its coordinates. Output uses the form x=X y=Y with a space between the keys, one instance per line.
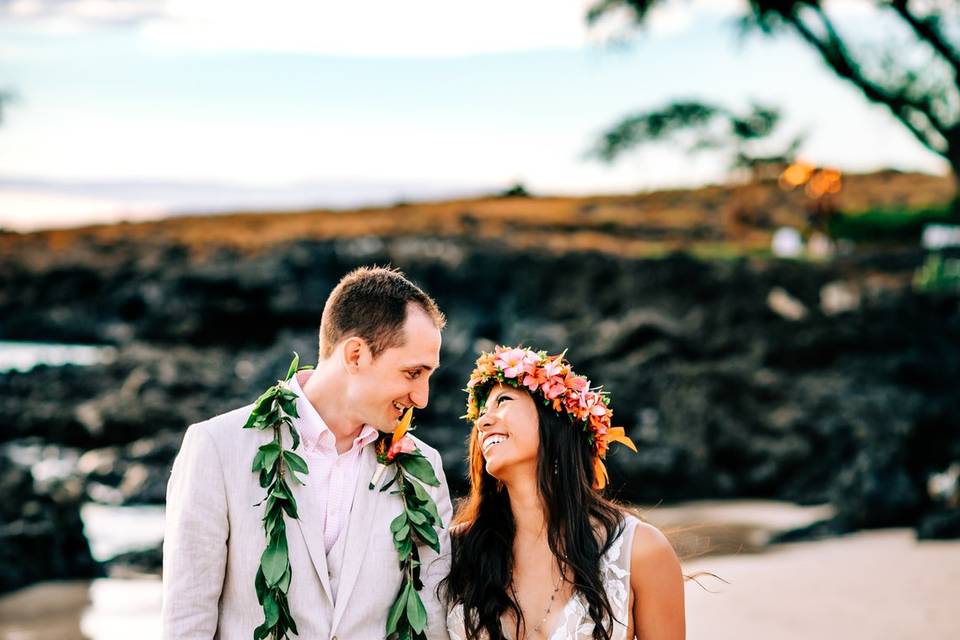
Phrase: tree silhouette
x=915 y=75
x=700 y=126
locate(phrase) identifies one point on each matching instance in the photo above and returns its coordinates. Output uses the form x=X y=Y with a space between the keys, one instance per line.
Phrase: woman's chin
x=494 y=468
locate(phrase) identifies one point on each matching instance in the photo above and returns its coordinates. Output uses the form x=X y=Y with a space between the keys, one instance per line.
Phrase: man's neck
x=324 y=390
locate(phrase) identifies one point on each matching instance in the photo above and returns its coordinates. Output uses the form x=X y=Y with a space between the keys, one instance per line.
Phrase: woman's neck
x=529 y=514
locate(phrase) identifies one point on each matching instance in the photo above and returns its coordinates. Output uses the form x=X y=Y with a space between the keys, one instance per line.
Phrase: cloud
x=371 y=28
x=75 y=15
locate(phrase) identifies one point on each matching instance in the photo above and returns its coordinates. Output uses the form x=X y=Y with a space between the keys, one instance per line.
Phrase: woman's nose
x=484 y=422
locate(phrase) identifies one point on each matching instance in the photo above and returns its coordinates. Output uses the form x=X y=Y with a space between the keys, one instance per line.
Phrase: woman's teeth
x=492 y=441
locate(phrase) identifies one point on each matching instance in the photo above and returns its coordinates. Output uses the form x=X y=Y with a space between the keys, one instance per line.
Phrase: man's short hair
x=371 y=303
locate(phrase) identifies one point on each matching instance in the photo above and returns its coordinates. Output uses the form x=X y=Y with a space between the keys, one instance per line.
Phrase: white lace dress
x=574 y=622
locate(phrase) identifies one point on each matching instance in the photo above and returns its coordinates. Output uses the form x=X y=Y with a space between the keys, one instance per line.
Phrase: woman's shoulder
x=652 y=556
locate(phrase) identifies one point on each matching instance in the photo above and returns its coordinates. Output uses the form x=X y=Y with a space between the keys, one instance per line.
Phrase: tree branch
x=926 y=29
x=836 y=56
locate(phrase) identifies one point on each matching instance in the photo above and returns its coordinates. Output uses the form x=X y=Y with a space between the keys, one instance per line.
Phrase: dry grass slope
x=711 y=221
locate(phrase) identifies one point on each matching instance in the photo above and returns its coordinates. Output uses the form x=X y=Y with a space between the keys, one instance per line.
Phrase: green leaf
x=271 y=610
x=294 y=435
x=416 y=612
x=290 y=506
x=293 y=623
x=271 y=451
x=402 y=532
x=420 y=468
x=295 y=462
x=262 y=405
x=280 y=491
x=398 y=522
x=284 y=584
x=397 y=608
x=404 y=548
x=428 y=504
x=271 y=520
x=289 y=407
x=260 y=584
x=429 y=536
x=274 y=560
x=293 y=365
x=416 y=517
x=258 y=461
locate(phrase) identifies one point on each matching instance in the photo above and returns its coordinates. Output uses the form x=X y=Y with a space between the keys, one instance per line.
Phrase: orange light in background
x=795 y=175
x=823 y=182
x=817 y=183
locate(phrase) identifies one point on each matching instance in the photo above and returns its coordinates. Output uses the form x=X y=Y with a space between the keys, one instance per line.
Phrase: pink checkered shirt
x=333 y=476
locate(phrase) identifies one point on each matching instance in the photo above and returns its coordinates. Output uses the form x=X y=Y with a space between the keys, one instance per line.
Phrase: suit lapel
x=358 y=532
x=310 y=525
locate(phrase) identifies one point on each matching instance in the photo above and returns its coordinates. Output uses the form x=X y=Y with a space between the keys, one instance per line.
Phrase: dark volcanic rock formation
x=762 y=378
x=41 y=534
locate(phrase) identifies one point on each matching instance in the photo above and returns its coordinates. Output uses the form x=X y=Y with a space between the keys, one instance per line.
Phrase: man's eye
x=414 y=374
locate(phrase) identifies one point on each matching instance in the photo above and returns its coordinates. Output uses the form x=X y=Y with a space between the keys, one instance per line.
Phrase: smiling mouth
x=399 y=409
x=491 y=441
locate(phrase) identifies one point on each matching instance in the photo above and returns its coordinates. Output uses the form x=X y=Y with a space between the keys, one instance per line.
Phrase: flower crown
x=553 y=379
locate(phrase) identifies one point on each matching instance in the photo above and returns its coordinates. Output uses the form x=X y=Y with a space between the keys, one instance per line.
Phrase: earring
x=499 y=486
x=556 y=467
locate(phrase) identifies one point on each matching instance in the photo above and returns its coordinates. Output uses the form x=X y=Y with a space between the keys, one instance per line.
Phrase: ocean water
x=24 y=356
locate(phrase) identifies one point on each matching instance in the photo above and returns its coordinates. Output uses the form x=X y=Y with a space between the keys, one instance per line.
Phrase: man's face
x=383 y=388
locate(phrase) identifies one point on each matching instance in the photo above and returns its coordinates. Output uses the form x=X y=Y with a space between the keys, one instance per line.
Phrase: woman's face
x=508 y=431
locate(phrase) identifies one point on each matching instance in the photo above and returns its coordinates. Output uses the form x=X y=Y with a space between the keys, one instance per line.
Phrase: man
x=379 y=344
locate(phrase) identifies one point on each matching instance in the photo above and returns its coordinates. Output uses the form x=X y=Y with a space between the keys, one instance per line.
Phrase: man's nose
x=421 y=395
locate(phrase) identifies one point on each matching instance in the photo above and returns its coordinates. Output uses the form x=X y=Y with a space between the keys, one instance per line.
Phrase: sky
x=131 y=109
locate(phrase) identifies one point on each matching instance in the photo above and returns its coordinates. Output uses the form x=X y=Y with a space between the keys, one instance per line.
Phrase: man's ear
x=354 y=353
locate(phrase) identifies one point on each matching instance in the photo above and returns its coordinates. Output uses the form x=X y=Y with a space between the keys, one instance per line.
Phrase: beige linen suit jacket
x=214 y=538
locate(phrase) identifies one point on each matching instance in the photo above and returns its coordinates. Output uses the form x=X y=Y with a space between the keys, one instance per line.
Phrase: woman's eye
x=502 y=398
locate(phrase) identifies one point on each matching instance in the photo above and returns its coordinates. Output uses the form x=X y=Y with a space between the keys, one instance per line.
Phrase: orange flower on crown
x=553 y=379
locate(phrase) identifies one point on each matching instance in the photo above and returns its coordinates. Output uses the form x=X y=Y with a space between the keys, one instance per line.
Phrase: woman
x=538 y=552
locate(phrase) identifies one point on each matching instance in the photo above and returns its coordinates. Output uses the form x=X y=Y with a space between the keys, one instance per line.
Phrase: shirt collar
x=313 y=430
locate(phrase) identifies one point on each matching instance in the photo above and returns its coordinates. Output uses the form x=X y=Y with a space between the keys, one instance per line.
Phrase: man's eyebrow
x=425 y=367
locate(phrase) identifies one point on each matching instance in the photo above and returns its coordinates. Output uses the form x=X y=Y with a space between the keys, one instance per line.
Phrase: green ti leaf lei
x=416 y=525
x=274 y=409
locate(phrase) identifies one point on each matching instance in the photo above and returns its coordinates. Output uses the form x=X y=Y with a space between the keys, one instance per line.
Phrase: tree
x=701 y=126
x=915 y=75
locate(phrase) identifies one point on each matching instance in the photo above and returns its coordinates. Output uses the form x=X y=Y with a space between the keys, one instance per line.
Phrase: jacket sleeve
x=195 y=540
x=436 y=567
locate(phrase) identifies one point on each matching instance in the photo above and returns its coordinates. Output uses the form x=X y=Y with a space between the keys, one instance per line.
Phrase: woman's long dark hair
x=581 y=526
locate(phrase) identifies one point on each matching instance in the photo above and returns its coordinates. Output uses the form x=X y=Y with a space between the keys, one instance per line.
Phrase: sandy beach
x=878 y=585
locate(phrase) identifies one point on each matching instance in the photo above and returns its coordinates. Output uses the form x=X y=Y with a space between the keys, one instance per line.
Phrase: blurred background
x=740 y=217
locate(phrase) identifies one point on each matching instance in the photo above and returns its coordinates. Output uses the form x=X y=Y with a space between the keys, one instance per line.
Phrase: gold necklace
x=546 y=612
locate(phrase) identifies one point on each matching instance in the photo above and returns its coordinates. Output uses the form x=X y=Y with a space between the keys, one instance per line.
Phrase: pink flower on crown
x=576 y=383
x=555 y=367
x=513 y=361
x=574 y=407
x=554 y=387
x=534 y=378
x=592 y=401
